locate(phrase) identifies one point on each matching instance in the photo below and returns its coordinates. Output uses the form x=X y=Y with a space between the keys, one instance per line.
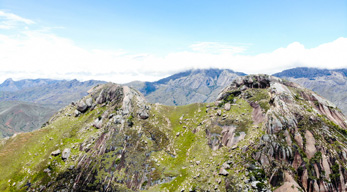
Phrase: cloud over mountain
x=41 y=53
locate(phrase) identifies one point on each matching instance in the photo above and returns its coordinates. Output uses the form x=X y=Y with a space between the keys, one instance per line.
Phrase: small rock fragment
x=56 y=152
x=97 y=123
x=227 y=106
x=226 y=166
x=254 y=184
x=223 y=172
x=66 y=154
x=144 y=114
x=218 y=181
x=77 y=113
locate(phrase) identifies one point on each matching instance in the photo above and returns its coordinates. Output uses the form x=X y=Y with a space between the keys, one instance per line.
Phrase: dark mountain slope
x=261 y=134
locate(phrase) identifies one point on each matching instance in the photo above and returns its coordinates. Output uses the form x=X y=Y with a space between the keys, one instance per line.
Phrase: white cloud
x=44 y=55
x=10 y=20
x=41 y=54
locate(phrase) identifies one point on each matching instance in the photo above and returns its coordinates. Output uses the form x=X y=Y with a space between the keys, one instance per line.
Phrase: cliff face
x=262 y=134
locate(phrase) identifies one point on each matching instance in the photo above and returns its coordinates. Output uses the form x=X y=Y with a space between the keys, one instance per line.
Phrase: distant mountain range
x=331 y=84
x=203 y=85
x=26 y=104
x=193 y=86
x=37 y=98
x=57 y=93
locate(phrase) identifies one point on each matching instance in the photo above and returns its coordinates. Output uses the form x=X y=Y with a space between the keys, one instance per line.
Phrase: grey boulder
x=82 y=107
x=66 y=154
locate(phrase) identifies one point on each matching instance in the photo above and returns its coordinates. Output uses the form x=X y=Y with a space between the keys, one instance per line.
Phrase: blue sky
x=157 y=30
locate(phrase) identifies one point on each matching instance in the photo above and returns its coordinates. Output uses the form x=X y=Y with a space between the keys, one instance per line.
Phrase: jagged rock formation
x=301 y=129
x=331 y=84
x=193 y=86
x=262 y=134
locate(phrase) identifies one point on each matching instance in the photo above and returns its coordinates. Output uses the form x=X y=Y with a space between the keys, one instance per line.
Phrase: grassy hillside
x=261 y=134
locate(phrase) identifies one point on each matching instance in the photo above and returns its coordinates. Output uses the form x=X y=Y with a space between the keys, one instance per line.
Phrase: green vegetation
x=261 y=96
x=27 y=155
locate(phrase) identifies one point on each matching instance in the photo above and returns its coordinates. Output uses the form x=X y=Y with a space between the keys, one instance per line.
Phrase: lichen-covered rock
x=223 y=172
x=56 y=152
x=82 y=107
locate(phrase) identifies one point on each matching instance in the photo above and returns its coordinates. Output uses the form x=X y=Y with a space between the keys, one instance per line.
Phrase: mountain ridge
x=262 y=133
x=199 y=85
x=306 y=72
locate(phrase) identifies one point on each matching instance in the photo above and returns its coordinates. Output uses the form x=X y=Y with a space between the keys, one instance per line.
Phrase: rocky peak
x=262 y=134
x=299 y=125
x=8 y=85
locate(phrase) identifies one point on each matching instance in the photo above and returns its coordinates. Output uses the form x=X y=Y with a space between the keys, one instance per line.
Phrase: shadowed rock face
x=261 y=134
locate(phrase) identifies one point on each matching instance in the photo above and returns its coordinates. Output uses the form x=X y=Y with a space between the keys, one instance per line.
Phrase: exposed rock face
x=290 y=185
x=293 y=118
x=310 y=144
x=272 y=136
